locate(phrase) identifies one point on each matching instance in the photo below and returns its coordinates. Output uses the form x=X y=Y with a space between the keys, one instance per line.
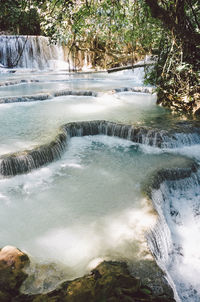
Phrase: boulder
x=12 y=262
x=109 y=282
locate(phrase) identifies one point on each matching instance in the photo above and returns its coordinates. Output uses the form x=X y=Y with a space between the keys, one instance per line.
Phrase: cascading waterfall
x=167 y=189
x=36 y=52
x=174 y=192
x=22 y=162
x=135 y=89
x=33 y=52
x=173 y=240
x=46 y=96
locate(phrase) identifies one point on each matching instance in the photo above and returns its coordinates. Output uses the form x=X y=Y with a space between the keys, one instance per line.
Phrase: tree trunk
x=176 y=20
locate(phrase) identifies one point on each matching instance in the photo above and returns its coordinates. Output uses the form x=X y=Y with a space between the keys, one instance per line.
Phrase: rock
x=109 y=282
x=12 y=262
x=152 y=277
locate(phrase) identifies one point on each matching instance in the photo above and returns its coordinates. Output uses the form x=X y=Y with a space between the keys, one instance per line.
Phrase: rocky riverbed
x=109 y=281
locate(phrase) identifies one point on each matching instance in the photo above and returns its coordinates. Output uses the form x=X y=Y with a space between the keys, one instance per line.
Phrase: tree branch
x=168 y=18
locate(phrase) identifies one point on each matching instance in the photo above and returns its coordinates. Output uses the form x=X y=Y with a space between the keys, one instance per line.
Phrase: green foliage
x=176 y=73
x=119 y=30
x=177 y=81
x=19 y=17
x=116 y=31
x=30 y=22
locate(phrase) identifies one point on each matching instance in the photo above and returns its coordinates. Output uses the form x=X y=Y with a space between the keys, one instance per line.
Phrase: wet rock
x=12 y=262
x=109 y=282
x=45 y=277
x=152 y=277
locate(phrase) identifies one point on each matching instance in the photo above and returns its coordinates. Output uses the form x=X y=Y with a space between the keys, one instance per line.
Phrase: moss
x=108 y=282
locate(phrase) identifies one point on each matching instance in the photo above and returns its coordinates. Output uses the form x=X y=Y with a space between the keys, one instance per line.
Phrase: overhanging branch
x=168 y=18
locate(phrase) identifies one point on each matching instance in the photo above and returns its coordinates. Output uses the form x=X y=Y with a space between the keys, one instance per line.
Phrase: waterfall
x=175 y=194
x=141 y=89
x=33 y=52
x=144 y=135
x=22 y=162
x=174 y=240
x=28 y=98
x=46 y=96
x=76 y=92
x=36 y=52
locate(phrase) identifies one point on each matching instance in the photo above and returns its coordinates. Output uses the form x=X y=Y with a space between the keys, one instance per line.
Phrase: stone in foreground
x=108 y=282
x=12 y=262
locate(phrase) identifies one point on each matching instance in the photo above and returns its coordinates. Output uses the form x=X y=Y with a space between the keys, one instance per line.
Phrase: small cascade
x=141 y=89
x=23 y=162
x=143 y=135
x=27 y=98
x=33 y=52
x=187 y=139
x=46 y=96
x=17 y=82
x=76 y=92
x=175 y=196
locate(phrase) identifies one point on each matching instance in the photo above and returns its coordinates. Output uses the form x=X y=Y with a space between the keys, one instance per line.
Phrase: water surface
x=90 y=204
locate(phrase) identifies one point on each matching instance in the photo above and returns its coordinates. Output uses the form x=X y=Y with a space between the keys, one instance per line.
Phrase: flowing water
x=31 y=52
x=87 y=199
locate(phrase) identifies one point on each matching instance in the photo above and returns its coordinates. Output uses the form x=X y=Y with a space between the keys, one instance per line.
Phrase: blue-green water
x=89 y=205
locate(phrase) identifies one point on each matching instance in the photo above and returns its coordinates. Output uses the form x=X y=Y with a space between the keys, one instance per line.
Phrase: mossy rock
x=12 y=262
x=108 y=282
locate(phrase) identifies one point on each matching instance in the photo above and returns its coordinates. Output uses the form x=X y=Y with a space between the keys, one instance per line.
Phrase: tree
x=181 y=18
x=177 y=72
x=114 y=31
x=19 y=17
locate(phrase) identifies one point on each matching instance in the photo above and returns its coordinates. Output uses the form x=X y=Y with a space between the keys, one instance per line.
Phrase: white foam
x=179 y=203
x=80 y=208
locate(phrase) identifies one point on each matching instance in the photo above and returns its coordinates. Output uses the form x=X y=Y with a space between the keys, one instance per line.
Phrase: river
x=89 y=201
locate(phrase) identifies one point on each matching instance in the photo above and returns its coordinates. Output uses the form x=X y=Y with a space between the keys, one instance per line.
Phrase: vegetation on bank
x=177 y=72
x=118 y=32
